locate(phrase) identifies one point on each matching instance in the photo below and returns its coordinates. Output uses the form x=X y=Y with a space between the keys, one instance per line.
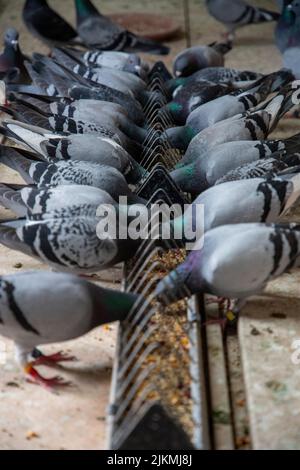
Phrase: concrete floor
x=31 y=418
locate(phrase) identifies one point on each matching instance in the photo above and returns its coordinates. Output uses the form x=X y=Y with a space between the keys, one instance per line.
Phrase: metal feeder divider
x=138 y=417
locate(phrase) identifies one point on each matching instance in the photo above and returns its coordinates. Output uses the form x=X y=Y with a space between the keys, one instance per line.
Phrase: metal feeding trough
x=159 y=395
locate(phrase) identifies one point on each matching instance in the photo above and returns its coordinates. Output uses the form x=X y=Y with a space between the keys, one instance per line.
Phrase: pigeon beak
x=14 y=43
x=178 y=73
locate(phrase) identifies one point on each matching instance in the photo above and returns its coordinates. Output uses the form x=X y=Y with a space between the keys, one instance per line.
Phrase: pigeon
x=39 y=307
x=196 y=58
x=246 y=201
x=47 y=25
x=192 y=96
x=221 y=159
x=90 y=110
x=128 y=62
x=71 y=239
x=213 y=74
x=236 y=13
x=106 y=93
x=100 y=32
x=88 y=148
x=256 y=126
x=53 y=79
x=107 y=120
x=287 y=31
x=125 y=82
x=12 y=68
x=235 y=261
x=21 y=132
x=27 y=200
x=226 y=106
x=268 y=167
x=46 y=174
x=106 y=178
x=23 y=199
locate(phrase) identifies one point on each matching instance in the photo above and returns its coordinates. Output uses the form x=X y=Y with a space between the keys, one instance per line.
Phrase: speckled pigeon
x=45 y=174
x=71 y=238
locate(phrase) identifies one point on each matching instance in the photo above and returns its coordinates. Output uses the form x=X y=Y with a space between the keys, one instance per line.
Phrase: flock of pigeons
x=78 y=119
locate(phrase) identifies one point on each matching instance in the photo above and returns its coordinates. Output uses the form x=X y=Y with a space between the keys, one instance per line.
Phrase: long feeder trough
x=159 y=393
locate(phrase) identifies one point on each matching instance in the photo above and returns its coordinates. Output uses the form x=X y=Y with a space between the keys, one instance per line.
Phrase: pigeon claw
x=33 y=376
x=53 y=359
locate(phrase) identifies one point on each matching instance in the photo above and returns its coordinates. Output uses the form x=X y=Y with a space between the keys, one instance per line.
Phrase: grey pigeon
x=127 y=62
x=236 y=13
x=221 y=159
x=106 y=93
x=81 y=109
x=27 y=200
x=226 y=106
x=100 y=32
x=88 y=110
x=97 y=139
x=189 y=97
x=199 y=57
x=79 y=147
x=40 y=307
x=96 y=176
x=246 y=201
x=235 y=261
x=69 y=239
x=64 y=118
x=46 y=174
x=119 y=80
x=213 y=74
x=47 y=25
x=125 y=82
x=53 y=79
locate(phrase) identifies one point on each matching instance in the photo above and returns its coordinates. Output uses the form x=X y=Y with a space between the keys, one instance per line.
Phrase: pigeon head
x=173 y=108
x=11 y=37
x=84 y=9
x=185 y=64
x=180 y=137
x=180 y=283
x=189 y=179
x=174 y=83
x=294 y=7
